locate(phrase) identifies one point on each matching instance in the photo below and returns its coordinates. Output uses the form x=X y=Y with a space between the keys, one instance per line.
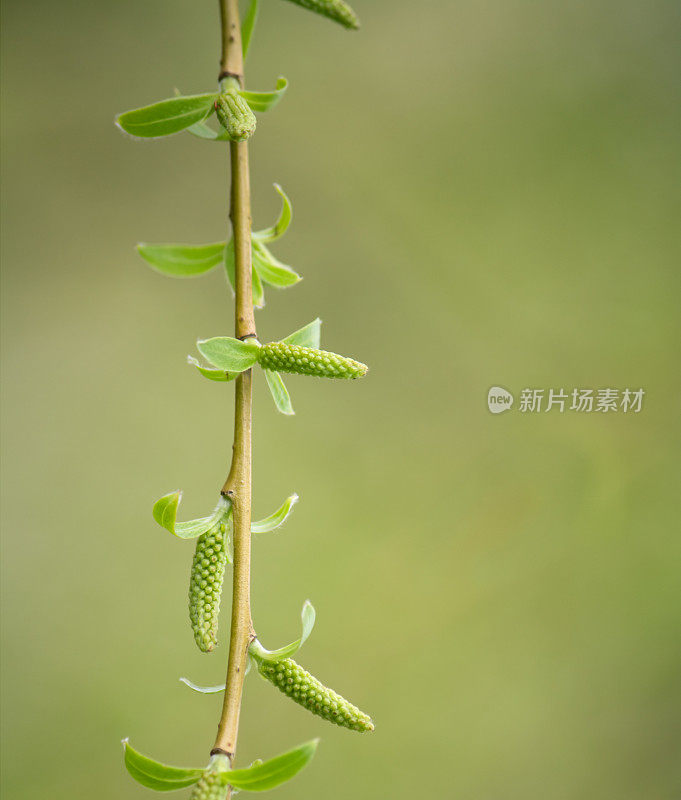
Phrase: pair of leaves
x=165 y=513
x=259 y=777
x=188 y=261
x=266 y=268
x=189 y=112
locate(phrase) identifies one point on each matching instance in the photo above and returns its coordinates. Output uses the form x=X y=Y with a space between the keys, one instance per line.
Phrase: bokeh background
x=484 y=193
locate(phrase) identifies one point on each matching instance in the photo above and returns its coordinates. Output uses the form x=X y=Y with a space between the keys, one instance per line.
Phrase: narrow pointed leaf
x=264 y=101
x=165 y=513
x=279 y=392
x=212 y=374
x=274 y=772
x=307 y=336
x=307 y=617
x=229 y=354
x=248 y=26
x=229 y=263
x=182 y=260
x=167 y=116
x=155 y=775
x=203 y=689
x=281 y=225
x=277 y=519
x=202 y=130
x=257 y=292
x=270 y=269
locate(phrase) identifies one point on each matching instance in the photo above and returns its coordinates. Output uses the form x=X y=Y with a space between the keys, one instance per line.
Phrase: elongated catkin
x=205 y=585
x=304 y=689
x=211 y=786
x=282 y=357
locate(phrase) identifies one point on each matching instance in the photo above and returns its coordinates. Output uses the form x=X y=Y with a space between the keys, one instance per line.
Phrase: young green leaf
x=281 y=225
x=307 y=336
x=182 y=260
x=211 y=689
x=202 y=130
x=229 y=263
x=165 y=513
x=257 y=291
x=212 y=374
x=155 y=775
x=167 y=116
x=248 y=26
x=270 y=269
x=307 y=616
x=279 y=392
x=277 y=519
x=203 y=689
x=264 y=101
x=229 y=354
x=269 y=774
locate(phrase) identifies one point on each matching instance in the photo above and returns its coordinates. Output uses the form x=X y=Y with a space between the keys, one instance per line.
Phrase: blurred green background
x=484 y=193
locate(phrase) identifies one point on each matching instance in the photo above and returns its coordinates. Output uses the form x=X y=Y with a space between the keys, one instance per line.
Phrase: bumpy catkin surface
x=304 y=689
x=235 y=116
x=205 y=585
x=282 y=357
x=209 y=787
x=336 y=10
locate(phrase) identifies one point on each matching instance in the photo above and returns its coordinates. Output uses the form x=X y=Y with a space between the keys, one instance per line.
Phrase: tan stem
x=238 y=484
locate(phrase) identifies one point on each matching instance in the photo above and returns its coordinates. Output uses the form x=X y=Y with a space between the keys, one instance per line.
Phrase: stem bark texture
x=238 y=484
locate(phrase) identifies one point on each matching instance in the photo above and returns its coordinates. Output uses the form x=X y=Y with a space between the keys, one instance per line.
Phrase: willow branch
x=238 y=484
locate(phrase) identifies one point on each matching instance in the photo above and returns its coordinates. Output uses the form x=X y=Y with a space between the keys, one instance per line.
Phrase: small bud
x=235 y=116
x=282 y=357
x=336 y=10
x=304 y=689
x=210 y=786
x=205 y=585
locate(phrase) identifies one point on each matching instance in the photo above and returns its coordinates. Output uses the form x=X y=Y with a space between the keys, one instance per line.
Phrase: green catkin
x=205 y=585
x=282 y=357
x=304 y=689
x=336 y=10
x=210 y=786
x=235 y=116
